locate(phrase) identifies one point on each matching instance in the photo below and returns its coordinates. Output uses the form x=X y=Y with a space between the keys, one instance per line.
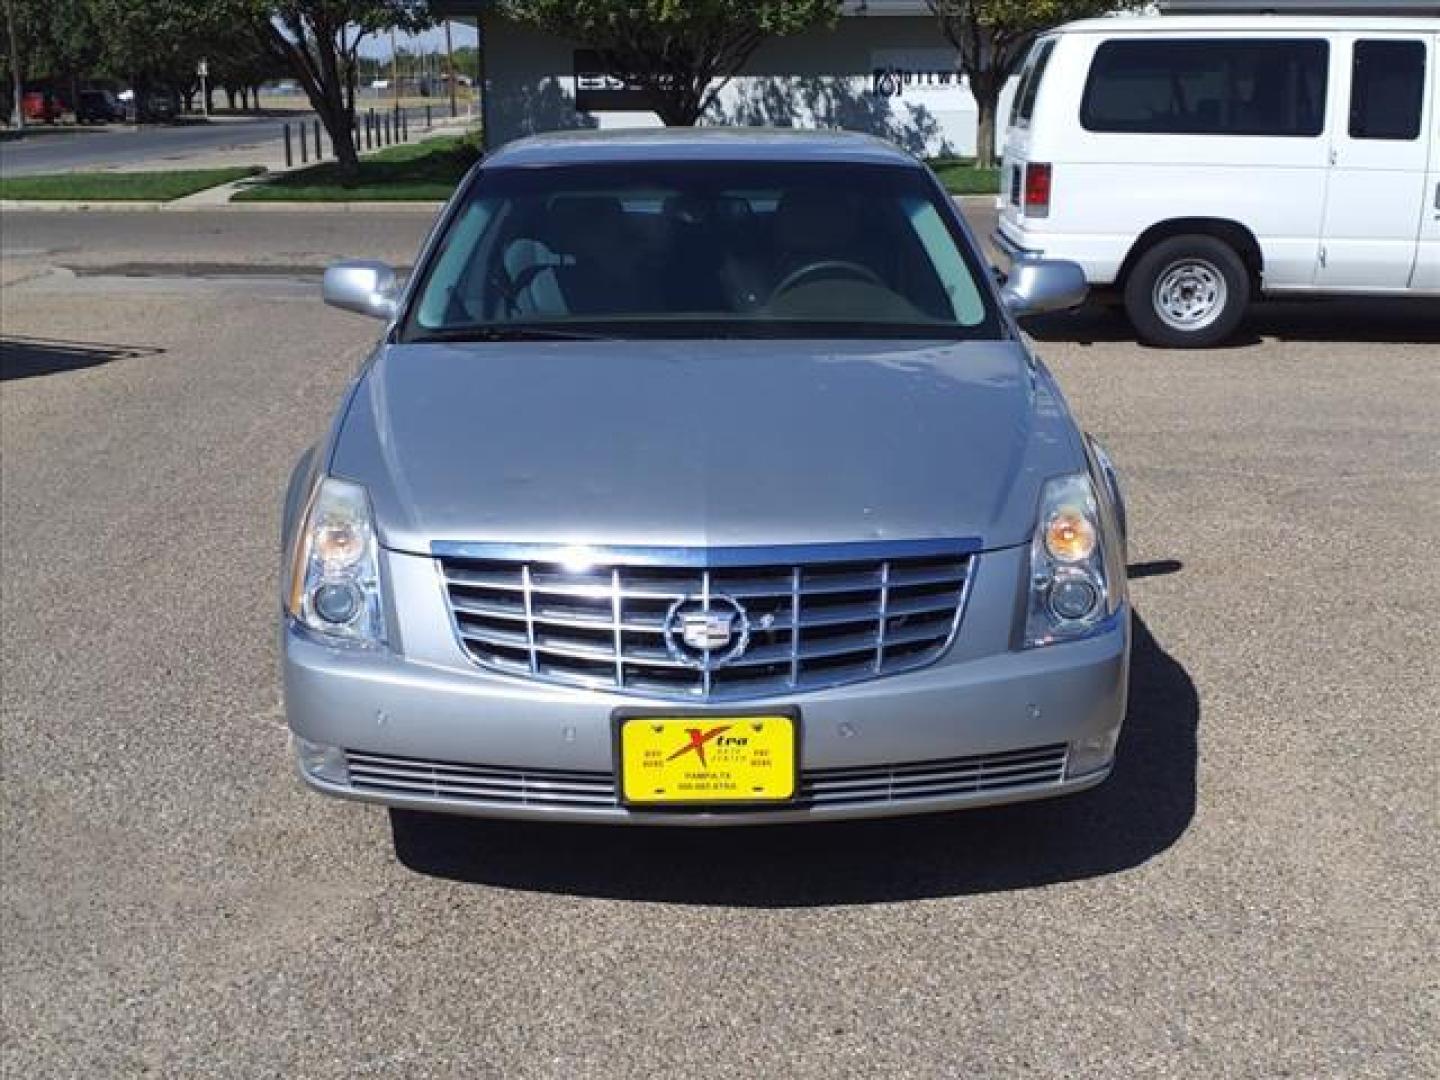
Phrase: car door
x=1379 y=155
x=1427 y=257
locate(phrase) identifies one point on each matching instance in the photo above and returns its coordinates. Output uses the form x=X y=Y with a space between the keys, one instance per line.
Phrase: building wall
x=823 y=78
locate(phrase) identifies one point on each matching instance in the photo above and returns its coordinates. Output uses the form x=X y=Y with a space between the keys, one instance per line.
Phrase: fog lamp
x=1093 y=753
x=321 y=761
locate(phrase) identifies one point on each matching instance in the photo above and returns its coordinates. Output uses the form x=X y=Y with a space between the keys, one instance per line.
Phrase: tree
x=152 y=43
x=239 y=62
x=681 y=52
x=319 y=42
x=52 y=40
x=991 y=37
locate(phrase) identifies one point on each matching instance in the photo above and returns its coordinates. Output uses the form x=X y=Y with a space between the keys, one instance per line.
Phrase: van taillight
x=1037 y=190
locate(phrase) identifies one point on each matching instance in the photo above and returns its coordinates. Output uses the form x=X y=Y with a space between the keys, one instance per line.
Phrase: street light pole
x=450 y=68
x=395 y=67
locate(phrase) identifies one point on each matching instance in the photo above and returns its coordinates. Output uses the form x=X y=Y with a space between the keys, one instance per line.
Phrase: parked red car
x=42 y=107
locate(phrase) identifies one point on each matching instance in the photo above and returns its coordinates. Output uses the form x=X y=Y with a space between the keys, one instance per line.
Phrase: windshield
x=703 y=249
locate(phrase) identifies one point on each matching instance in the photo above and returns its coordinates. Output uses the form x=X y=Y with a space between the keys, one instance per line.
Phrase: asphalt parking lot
x=1252 y=894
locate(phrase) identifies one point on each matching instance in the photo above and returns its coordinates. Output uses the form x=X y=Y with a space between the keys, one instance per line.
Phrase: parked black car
x=98 y=107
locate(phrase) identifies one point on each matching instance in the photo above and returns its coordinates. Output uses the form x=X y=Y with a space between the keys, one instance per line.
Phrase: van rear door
x=1016 y=155
x=1379 y=153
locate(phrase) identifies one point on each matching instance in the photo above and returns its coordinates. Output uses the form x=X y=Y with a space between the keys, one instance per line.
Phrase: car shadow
x=28 y=357
x=1142 y=810
x=1382 y=320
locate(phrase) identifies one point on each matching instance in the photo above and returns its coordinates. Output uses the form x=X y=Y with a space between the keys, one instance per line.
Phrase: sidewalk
x=268 y=154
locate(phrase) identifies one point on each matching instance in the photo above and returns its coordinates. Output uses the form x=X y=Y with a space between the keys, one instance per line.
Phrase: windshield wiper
x=502 y=332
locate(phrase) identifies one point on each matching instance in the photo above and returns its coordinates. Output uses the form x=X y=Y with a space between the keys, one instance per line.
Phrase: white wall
x=824 y=78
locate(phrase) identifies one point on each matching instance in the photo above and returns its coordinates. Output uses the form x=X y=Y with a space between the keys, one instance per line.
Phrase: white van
x=1193 y=163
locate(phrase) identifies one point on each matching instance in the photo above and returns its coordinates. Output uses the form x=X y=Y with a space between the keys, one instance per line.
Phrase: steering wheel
x=825 y=266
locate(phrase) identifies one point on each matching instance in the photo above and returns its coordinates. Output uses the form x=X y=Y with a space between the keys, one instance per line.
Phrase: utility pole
x=395 y=67
x=203 y=70
x=450 y=68
x=17 y=83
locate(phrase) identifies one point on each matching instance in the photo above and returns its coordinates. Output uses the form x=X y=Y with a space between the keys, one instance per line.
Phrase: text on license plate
x=716 y=759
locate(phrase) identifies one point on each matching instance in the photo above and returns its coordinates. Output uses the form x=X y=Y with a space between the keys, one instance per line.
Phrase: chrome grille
x=844 y=616
x=935 y=779
x=386 y=774
x=978 y=774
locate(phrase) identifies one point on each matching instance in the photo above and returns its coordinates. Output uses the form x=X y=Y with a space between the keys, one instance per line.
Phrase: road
x=1252 y=894
x=57 y=150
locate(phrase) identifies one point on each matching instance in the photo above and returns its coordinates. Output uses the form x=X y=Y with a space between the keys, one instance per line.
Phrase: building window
x=1387 y=89
x=1233 y=86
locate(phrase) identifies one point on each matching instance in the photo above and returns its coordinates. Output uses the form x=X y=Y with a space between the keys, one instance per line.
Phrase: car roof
x=1226 y=24
x=697 y=144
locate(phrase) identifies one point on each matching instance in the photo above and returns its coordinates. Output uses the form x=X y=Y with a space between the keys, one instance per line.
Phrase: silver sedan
x=703 y=477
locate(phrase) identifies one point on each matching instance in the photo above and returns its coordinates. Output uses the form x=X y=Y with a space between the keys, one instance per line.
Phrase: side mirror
x=363 y=286
x=1037 y=285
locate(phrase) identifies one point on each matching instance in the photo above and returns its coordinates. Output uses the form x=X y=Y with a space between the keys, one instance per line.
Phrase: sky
x=378 y=45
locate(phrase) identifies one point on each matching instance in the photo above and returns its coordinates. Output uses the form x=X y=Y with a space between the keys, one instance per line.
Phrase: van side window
x=1235 y=86
x=1025 y=94
x=1387 y=89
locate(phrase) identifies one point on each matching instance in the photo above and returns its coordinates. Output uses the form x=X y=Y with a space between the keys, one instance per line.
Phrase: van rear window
x=1234 y=86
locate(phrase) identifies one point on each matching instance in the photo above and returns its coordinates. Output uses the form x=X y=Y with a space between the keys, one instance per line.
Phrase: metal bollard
x=289 y=153
x=428 y=121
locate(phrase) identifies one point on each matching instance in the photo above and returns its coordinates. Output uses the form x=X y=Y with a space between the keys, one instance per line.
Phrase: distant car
x=703 y=476
x=42 y=107
x=98 y=107
x=154 y=106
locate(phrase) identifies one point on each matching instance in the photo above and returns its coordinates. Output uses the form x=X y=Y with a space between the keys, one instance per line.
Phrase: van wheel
x=1187 y=292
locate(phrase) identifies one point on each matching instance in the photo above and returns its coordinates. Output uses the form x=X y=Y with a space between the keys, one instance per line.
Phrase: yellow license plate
x=707 y=759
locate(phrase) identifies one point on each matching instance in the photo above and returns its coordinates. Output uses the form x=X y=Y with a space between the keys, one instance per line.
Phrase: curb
x=85 y=204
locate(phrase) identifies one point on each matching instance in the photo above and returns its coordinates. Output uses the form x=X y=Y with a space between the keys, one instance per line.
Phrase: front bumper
x=967 y=731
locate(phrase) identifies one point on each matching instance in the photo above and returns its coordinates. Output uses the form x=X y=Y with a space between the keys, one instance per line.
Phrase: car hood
x=714 y=443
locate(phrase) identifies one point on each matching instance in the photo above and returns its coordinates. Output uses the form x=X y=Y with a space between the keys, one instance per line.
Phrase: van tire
x=1187 y=292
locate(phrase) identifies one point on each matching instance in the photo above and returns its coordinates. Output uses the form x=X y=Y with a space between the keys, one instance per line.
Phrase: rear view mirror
x=1038 y=285
x=363 y=286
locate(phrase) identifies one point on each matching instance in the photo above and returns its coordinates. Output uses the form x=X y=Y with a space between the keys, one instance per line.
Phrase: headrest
x=584 y=221
x=813 y=219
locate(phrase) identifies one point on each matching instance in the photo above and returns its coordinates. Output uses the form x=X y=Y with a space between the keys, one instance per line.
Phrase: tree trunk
x=17 y=77
x=342 y=137
x=986 y=87
x=209 y=98
x=230 y=97
x=677 y=107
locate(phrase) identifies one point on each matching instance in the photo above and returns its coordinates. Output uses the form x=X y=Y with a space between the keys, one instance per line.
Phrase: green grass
x=118 y=186
x=961 y=177
x=423 y=171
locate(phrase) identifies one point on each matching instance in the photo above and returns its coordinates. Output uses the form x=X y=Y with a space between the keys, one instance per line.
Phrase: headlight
x=1070 y=588
x=335 y=576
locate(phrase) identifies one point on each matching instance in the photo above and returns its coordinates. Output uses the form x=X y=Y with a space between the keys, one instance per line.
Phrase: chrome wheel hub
x=1190 y=294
